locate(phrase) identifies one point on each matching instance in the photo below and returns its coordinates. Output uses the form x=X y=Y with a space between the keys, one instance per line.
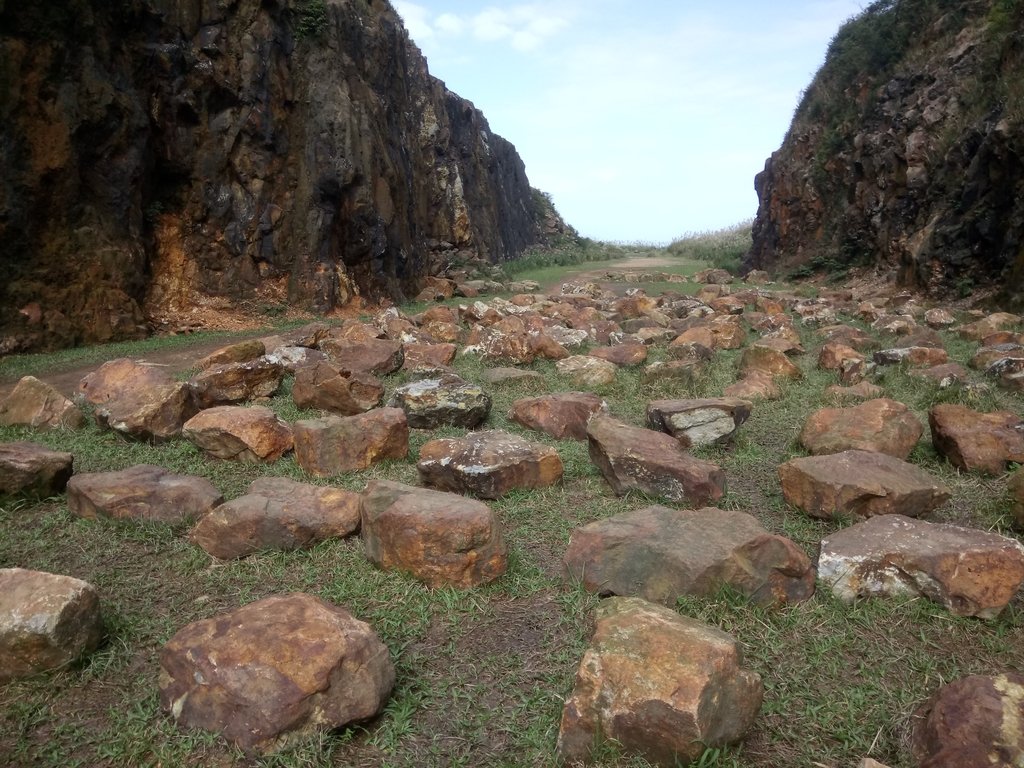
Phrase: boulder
x=659 y=684
x=768 y=360
x=696 y=343
x=144 y=492
x=329 y=387
x=239 y=352
x=586 y=371
x=914 y=357
x=274 y=672
x=1015 y=486
x=680 y=372
x=699 y=422
x=33 y=469
x=238 y=433
x=428 y=356
x=661 y=554
x=441 y=539
x=945 y=375
x=236 y=382
x=860 y=484
x=338 y=444
x=563 y=415
x=835 y=356
x=46 y=621
x=33 y=403
x=517 y=376
x=881 y=425
x=970 y=572
x=277 y=514
x=863 y=390
x=998 y=321
x=488 y=464
x=653 y=462
x=445 y=401
x=375 y=356
x=755 y=385
x=624 y=355
x=138 y=400
x=977 y=442
x=974 y=721
x=294 y=359
x=939 y=318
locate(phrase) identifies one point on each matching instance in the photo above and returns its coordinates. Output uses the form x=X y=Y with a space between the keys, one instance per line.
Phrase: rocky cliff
x=155 y=153
x=907 y=152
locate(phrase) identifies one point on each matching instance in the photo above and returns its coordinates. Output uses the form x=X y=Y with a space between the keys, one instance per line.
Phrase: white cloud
x=416 y=18
x=525 y=27
x=450 y=24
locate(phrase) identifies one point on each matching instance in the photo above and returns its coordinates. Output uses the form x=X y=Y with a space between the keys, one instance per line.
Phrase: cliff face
x=155 y=152
x=907 y=152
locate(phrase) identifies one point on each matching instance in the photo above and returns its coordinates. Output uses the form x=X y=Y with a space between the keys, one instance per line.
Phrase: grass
x=483 y=673
x=722 y=248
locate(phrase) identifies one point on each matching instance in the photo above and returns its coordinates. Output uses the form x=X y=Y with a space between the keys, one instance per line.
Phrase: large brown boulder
x=661 y=554
x=33 y=403
x=338 y=444
x=232 y=383
x=46 y=621
x=699 y=422
x=275 y=671
x=659 y=684
x=440 y=538
x=653 y=462
x=755 y=385
x=143 y=492
x=563 y=415
x=974 y=441
x=329 y=387
x=768 y=360
x=970 y=572
x=624 y=355
x=277 y=514
x=445 y=401
x=375 y=356
x=239 y=352
x=860 y=484
x=239 y=433
x=586 y=371
x=33 y=469
x=881 y=425
x=488 y=464
x=428 y=356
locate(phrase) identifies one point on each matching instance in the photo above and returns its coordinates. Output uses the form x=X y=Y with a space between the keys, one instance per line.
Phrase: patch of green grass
x=723 y=248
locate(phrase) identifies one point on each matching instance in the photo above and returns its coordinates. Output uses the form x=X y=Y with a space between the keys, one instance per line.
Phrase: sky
x=644 y=119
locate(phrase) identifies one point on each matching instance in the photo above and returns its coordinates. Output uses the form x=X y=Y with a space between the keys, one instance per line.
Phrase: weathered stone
x=973 y=721
x=375 y=356
x=621 y=354
x=755 y=385
x=881 y=425
x=986 y=356
x=693 y=344
x=917 y=357
x=658 y=684
x=47 y=621
x=236 y=382
x=277 y=514
x=683 y=372
x=143 y=492
x=445 y=401
x=998 y=321
x=770 y=361
x=974 y=441
x=428 y=355
x=516 y=376
x=497 y=345
x=339 y=444
x=239 y=433
x=488 y=464
x=294 y=359
x=860 y=484
x=33 y=403
x=652 y=462
x=863 y=390
x=139 y=400
x=440 y=538
x=274 y=672
x=970 y=572
x=329 y=387
x=939 y=318
x=33 y=469
x=240 y=352
x=586 y=371
x=563 y=415
x=661 y=554
x=1015 y=486
x=945 y=375
x=835 y=354
x=699 y=422
x=849 y=336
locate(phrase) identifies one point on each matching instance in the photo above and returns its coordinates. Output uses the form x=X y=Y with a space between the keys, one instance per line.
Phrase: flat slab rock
x=249 y=434
x=706 y=421
x=144 y=492
x=33 y=403
x=860 y=484
x=277 y=514
x=563 y=415
x=444 y=401
x=275 y=672
x=329 y=387
x=970 y=572
x=653 y=462
x=587 y=371
x=661 y=685
x=338 y=444
x=881 y=425
x=488 y=464
x=376 y=356
x=441 y=539
x=660 y=554
x=232 y=383
x=46 y=621
x=975 y=441
x=34 y=469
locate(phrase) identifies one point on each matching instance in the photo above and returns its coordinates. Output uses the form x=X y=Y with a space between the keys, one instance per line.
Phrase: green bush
x=312 y=19
x=723 y=248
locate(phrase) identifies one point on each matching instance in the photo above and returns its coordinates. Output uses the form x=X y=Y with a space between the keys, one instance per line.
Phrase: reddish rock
x=621 y=354
x=986 y=356
x=239 y=433
x=939 y=318
x=699 y=422
x=33 y=403
x=236 y=382
x=695 y=343
x=445 y=401
x=770 y=361
x=499 y=345
x=882 y=425
x=33 y=469
x=863 y=390
x=728 y=332
x=915 y=357
x=294 y=359
x=329 y=387
x=586 y=371
x=143 y=492
x=428 y=356
x=755 y=385
x=999 y=321
x=1015 y=485
x=563 y=415
x=860 y=484
x=945 y=375
x=488 y=464
x=47 y=621
x=441 y=539
x=339 y=444
x=970 y=572
x=681 y=372
x=977 y=442
x=516 y=376
x=848 y=336
x=661 y=554
x=375 y=356
x=275 y=671
x=652 y=462
x=240 y=352
x=835 y=355
x=658 y=684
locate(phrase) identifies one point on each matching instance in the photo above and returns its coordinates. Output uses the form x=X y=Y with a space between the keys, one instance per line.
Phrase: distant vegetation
x=722 y=248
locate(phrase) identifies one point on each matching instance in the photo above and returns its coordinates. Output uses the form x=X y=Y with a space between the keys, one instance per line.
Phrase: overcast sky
x=644 y=119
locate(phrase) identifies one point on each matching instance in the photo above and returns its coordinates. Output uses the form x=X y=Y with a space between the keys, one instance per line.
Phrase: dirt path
x=630 y=264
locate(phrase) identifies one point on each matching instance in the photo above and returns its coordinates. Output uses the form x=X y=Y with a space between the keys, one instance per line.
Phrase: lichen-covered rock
x=34 y=469
x=445 y=401
x=143 y=492
x=339 y=444
x=563 y=415
x=239 y=352
x=699 y=422
x=378 y=357
x=586 y=371
x=974 y=441
x=232 y=383
x=33 y=403
x=239 y=433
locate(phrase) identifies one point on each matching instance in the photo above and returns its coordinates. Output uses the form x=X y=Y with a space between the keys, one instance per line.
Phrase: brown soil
x=631 y=264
